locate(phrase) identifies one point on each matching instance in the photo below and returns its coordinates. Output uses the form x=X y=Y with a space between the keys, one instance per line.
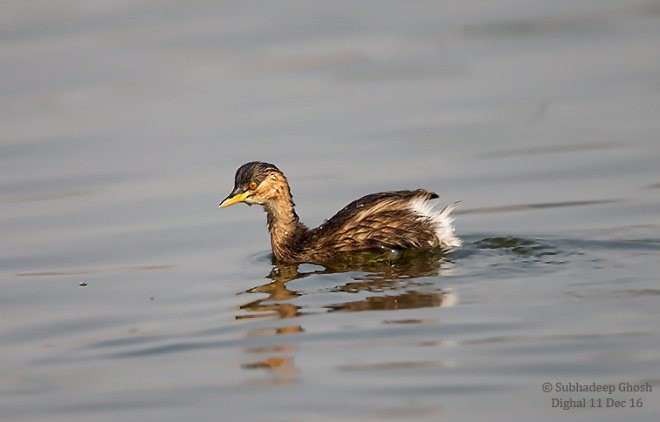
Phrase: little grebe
x=392 y=220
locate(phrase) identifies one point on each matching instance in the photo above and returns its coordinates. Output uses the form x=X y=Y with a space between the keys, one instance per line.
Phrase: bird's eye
x=253 y=185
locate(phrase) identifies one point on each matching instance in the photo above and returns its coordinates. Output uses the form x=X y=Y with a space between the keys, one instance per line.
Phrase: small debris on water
x=82 y=284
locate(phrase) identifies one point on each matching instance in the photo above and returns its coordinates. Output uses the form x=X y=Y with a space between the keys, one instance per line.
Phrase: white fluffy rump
x=441 y=220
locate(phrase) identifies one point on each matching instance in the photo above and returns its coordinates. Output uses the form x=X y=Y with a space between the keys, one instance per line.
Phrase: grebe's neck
x=283 y=225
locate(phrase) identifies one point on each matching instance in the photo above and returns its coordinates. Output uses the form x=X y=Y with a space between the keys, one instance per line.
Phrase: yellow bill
x=231 y=200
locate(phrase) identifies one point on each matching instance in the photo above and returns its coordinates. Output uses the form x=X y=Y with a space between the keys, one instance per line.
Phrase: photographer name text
x=627 y=395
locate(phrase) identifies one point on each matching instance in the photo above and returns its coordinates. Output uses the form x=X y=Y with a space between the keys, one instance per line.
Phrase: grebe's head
x=257 y=183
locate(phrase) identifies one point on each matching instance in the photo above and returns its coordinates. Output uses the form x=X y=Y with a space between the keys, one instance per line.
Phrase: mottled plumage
x=393 y=220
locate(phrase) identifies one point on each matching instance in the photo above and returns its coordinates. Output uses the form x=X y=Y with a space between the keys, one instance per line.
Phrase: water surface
x=126 y=293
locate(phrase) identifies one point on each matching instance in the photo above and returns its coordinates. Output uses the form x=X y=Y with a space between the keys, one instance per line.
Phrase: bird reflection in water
x=395 y=279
